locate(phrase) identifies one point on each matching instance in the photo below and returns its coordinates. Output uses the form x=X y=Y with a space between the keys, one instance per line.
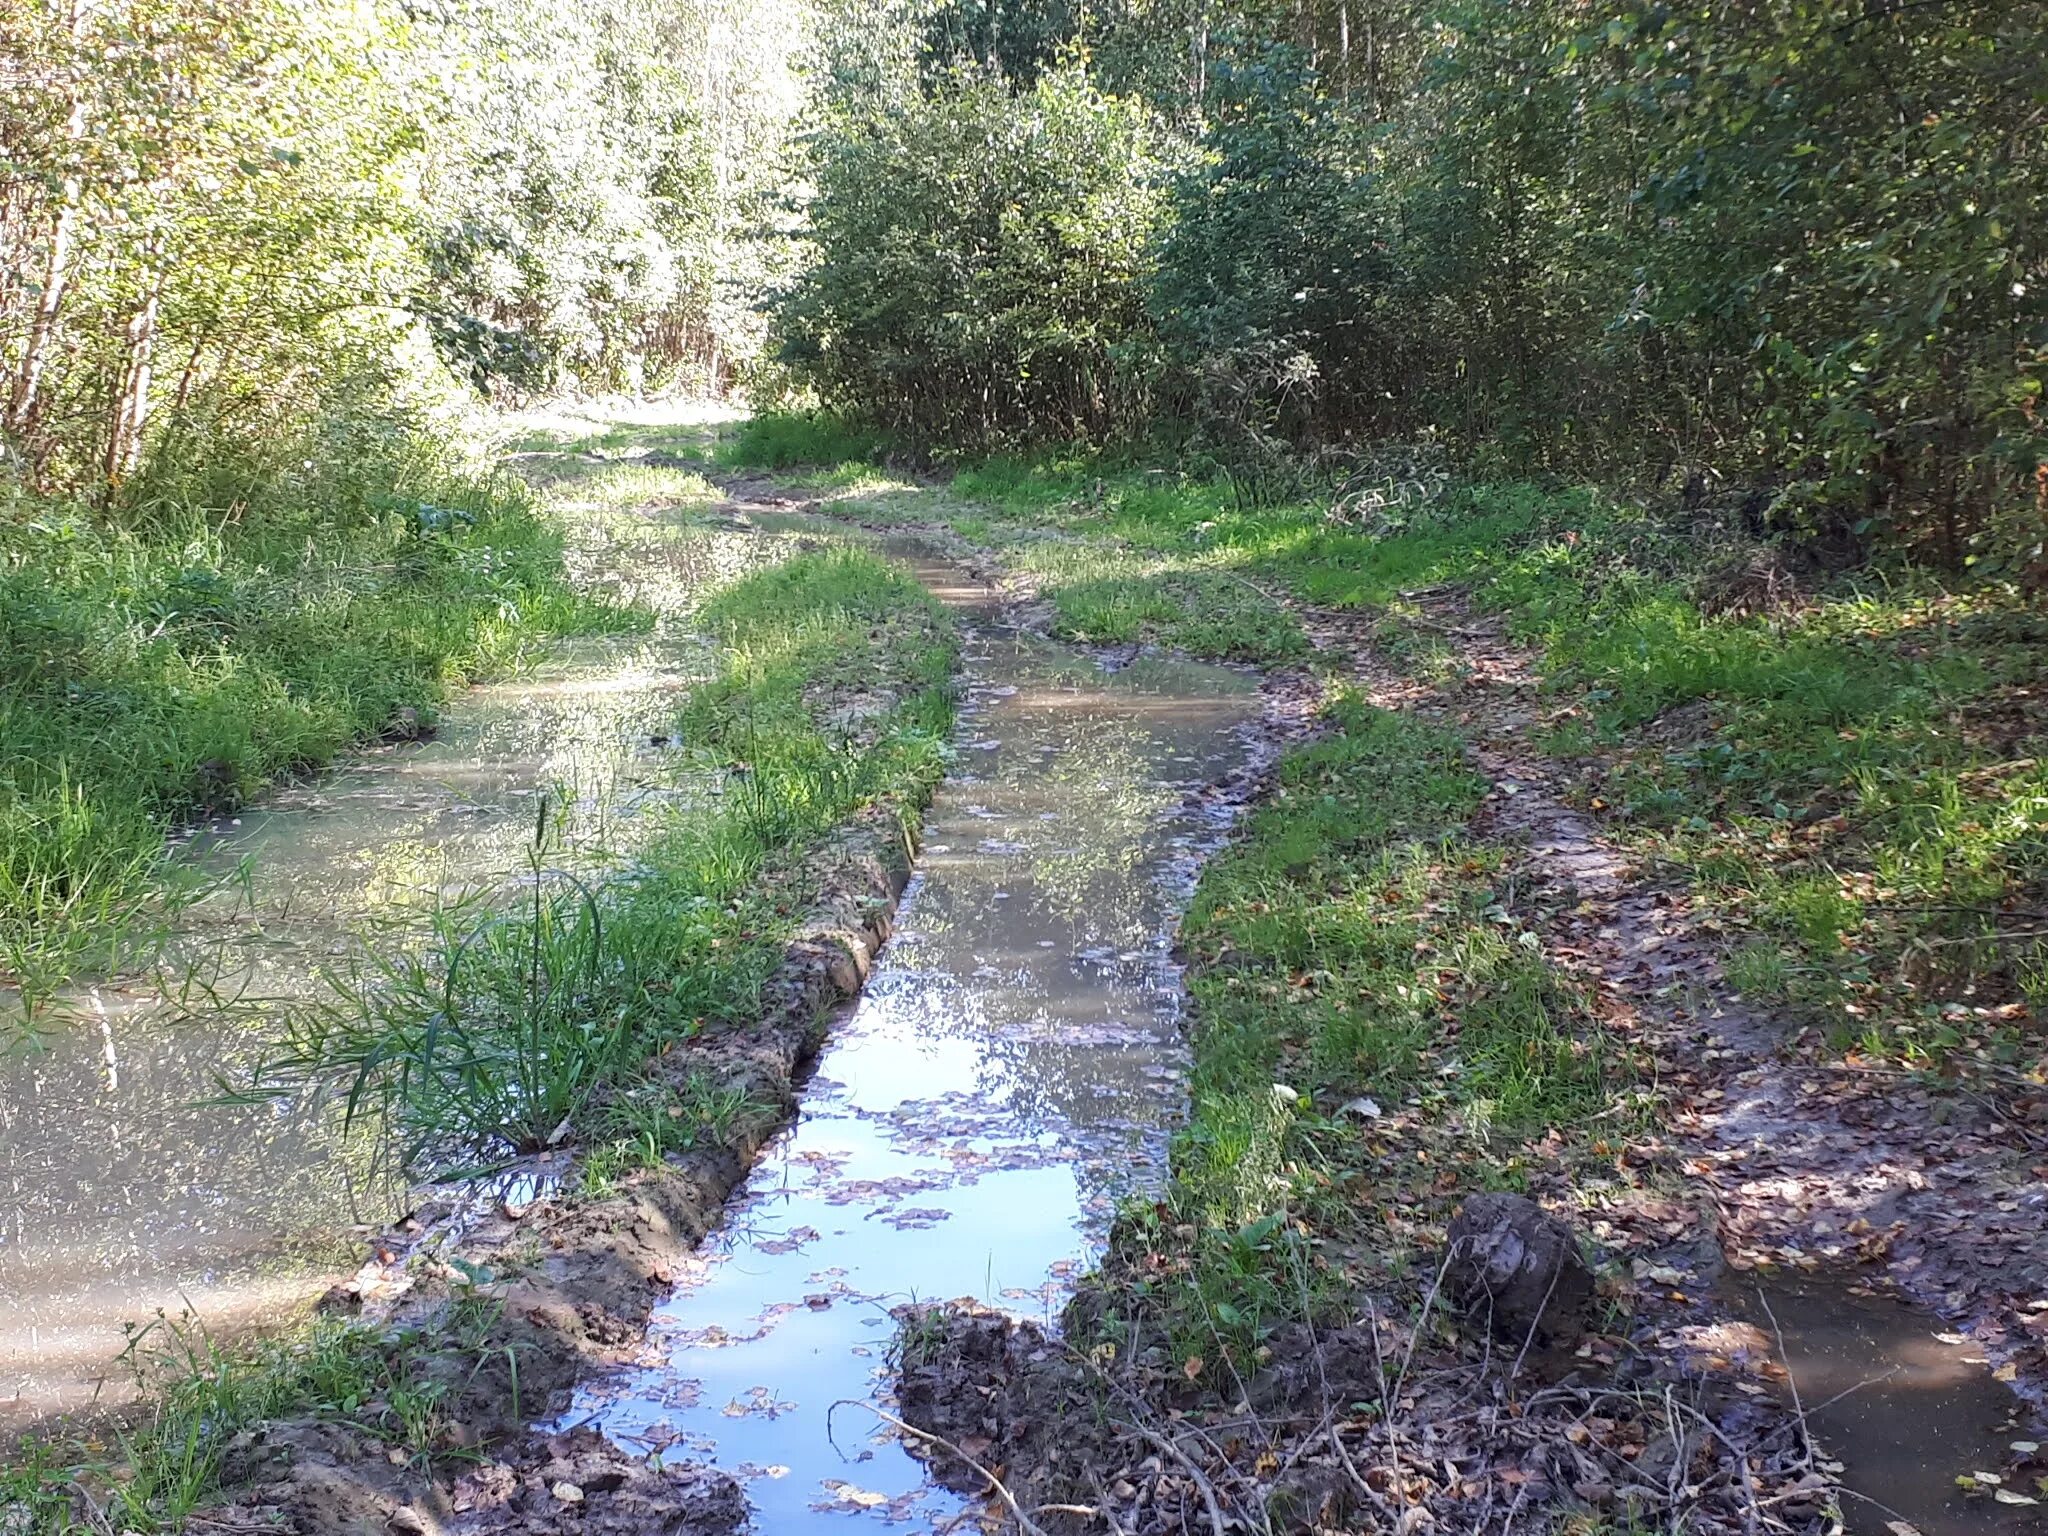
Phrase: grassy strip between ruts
x=1377 y=1035
x=1851 y=770
x=521 y=1028
x=220 y=636
x=539 y=1025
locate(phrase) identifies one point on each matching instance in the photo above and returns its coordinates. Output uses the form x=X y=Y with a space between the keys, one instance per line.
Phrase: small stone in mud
x=1519 y=1267
x=567 y=1493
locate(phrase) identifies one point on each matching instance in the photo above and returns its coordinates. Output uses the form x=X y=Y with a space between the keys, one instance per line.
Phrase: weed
x=1352 y=950
x=152 y=1474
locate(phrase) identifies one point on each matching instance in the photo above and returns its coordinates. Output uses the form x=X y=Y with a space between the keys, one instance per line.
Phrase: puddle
x=1010 y=1074
x=124 y=1191
x=1905 y=1406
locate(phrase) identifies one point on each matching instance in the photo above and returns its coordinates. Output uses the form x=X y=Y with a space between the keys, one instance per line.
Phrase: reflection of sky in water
x=1006 y=1078
x=122 y=1191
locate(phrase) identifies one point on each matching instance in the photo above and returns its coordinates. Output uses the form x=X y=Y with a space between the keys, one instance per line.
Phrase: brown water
x=124 y=1190
x=1903 y=1406
x=1009 y=1076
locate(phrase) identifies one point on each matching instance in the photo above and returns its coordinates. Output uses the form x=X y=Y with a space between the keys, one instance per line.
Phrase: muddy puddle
x=1904 y=1407
x=124 y=1190
x=1009 y=1075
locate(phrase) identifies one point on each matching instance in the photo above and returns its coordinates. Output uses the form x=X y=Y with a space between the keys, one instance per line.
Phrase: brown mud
x=573 y=1280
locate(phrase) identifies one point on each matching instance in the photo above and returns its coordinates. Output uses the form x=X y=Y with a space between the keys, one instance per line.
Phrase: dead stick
x=1207 y=1488
x=1025 y=1523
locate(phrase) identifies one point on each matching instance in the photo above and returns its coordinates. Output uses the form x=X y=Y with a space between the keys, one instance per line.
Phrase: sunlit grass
x=1355 y=944
x=171 y=668
x=525 y=1027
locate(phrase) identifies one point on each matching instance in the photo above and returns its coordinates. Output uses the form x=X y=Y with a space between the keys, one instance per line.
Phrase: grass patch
x=525 y=1027
x=1354 y=964
x=1856 y=778
x=218 y=636
x=151 y=1475
x=799 y=440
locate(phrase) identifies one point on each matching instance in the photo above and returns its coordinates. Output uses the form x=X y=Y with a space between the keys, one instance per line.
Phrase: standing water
x=129 y=1187
x=1009 y=1075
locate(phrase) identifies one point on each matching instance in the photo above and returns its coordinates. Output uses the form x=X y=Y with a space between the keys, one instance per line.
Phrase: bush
x=980 y=258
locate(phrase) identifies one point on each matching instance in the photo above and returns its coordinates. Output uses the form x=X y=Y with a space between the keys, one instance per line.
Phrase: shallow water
x=1904 y=1406
x=1009 y=1075
x=124 y=1190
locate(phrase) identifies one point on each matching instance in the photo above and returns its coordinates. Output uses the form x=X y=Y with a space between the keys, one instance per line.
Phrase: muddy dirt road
x=1009 y=1074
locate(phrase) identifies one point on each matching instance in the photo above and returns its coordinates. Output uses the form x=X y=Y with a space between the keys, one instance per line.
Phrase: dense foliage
x=1788 y=254
x=979 y=257
x=216 y=218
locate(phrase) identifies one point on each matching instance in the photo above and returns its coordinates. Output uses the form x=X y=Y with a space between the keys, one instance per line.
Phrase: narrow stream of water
x=1010 y=1073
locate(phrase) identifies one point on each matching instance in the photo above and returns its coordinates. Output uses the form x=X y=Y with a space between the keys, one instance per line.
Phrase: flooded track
x=129 y=1187
x=1010 y=1073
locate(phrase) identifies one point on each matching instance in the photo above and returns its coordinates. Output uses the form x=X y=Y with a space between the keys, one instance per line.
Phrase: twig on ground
x=1025 y=1523
x=1207 y=1489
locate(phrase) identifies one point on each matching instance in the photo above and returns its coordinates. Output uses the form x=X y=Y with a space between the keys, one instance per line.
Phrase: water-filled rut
x=131 y=1187
x=1009 y=1074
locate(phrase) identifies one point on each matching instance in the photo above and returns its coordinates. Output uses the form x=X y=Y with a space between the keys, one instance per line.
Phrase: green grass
x=813 y=440
x=152 y=1474
x=560 y=1019
x=217 y=637
x=526 y=1027
x=1355 y=942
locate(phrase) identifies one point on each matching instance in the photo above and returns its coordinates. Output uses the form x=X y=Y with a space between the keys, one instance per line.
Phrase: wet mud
x=1800 y=1175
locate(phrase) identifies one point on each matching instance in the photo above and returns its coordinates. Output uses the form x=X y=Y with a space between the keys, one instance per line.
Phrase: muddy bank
x=1009 y=1078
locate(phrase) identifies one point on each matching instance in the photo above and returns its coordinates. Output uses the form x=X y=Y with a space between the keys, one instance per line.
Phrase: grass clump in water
x=527 y=1026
